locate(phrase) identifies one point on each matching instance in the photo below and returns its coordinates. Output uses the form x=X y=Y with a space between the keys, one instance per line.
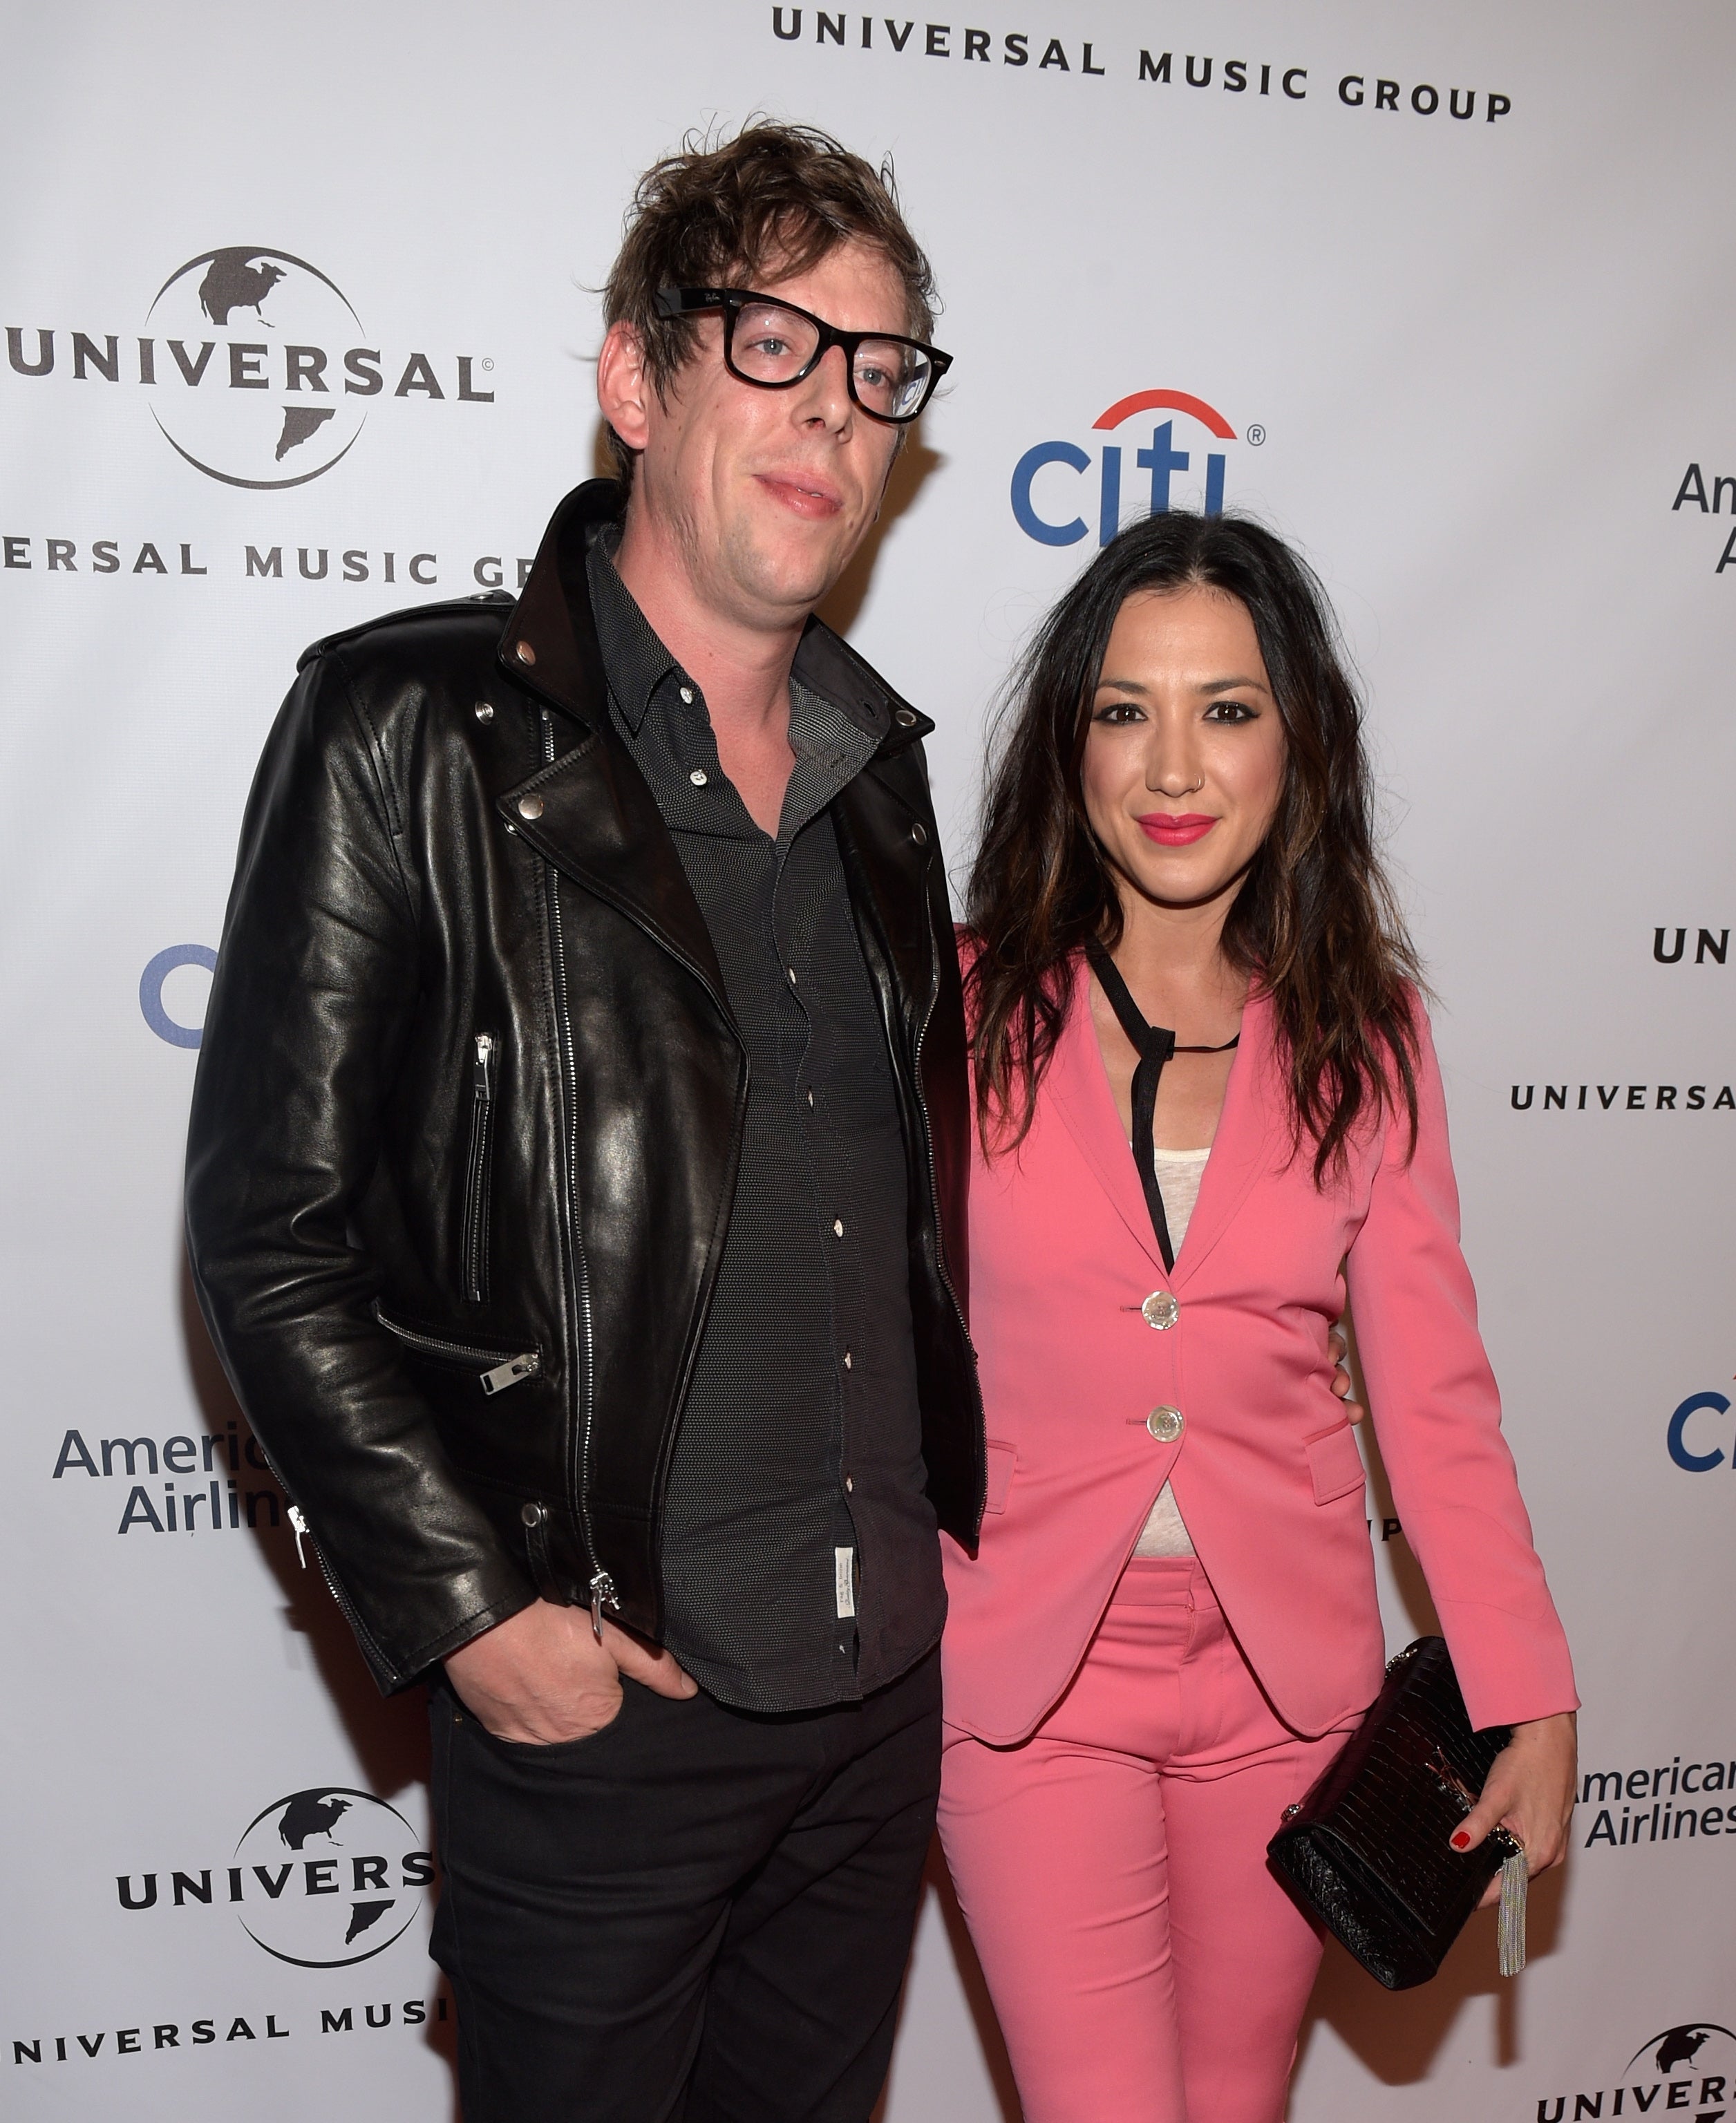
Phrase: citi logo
x=1053 y=477
x=256 y=365
x=1698 y=1455
x=323 y=1878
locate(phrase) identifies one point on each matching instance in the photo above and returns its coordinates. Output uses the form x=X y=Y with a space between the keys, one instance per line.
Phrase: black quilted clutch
x=1367 y=1852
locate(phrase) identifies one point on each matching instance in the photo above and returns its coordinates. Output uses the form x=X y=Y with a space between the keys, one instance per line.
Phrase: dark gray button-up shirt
x=800 y=1562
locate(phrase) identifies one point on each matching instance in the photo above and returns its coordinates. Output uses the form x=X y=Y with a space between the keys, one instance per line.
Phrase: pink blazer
x=1264 y=1468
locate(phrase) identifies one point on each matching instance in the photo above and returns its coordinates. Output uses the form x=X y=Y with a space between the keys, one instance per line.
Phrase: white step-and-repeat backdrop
x=299 y=318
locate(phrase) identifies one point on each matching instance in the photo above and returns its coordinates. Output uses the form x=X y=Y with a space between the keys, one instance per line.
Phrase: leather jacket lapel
x=590 y=813
x=549 y=643
x=886 y=850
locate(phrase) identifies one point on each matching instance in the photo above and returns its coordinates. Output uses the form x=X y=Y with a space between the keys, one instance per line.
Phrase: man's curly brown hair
x=767 y=204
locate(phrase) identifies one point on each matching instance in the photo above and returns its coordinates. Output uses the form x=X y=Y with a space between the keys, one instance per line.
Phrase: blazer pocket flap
x=1001 y=1458
x=1335 y=1464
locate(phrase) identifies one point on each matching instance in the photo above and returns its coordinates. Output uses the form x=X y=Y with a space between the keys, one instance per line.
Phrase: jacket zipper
x=496 y=1369
x=602 y=1585
x=346 y=1605
x=478 y=1170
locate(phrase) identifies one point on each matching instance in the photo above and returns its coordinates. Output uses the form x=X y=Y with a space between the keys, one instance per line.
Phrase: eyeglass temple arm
x=681 y=302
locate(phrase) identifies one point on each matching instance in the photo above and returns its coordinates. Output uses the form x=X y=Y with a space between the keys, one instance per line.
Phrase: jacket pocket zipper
x=496 y=1369
x=478 y=1169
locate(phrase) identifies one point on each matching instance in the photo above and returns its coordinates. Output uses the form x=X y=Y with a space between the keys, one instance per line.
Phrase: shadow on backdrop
x=1398 y=2035
x=389 y=1734
x=937 y=1882
x=910 y=471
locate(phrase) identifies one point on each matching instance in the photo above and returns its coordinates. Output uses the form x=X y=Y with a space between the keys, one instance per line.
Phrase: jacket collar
x=549 y=643
x=590 y=812
x=1078 y=1083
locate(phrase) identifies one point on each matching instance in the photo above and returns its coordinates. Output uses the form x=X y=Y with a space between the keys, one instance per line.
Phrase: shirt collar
x=637 y=662
x=633 y=655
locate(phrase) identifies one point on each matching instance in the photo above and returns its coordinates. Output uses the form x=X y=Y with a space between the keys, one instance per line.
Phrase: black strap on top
x=1154 y=1045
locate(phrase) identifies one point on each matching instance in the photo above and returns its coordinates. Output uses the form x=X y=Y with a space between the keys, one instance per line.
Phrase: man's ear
x=624 y=386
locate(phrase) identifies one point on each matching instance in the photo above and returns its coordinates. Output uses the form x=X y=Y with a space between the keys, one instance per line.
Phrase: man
x=576 y=1192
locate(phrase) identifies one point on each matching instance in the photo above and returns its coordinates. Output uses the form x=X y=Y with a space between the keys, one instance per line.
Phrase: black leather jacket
x=469 y=1105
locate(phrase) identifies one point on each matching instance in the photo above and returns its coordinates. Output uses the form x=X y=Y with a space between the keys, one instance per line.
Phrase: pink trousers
x=1145 y=1965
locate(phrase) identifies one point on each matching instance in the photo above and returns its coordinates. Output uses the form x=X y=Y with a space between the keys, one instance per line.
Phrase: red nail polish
x=1462 y=1841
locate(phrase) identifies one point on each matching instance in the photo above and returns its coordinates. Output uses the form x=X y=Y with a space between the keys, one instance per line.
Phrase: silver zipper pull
x=483 y=1075
x=510 y=1373
x=603 y=1594
x=300 y=1524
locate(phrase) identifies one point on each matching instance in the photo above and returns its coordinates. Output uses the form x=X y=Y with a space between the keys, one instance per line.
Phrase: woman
x=1170 y=1624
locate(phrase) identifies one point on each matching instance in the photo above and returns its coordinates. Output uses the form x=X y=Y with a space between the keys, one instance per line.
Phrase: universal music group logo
x=1688 y=2070
x=322 y=1878
x=257 y=366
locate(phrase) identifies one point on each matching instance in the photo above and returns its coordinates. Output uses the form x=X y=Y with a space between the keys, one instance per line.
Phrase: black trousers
x=698 y=1913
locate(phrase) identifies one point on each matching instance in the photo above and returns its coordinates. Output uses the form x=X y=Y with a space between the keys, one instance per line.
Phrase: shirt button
x=847 y=1366
x=699 y=777
x=811 y=1094
x=1166 y=1424
x=687 y=694
x=837 y=1227
x=789 y=974
x=850 y=1485
x=1161 y=1309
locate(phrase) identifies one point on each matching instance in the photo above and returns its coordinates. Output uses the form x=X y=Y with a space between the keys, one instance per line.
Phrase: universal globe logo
x=321 y=1878
x=1689 y=2070
x=254 y=365
x=272 y=413
x=341 y=1861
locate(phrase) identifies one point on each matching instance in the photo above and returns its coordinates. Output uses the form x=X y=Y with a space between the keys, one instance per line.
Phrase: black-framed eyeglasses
x=775 y=344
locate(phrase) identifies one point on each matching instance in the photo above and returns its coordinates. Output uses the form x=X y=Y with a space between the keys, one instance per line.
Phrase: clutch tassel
x=1510 y=1927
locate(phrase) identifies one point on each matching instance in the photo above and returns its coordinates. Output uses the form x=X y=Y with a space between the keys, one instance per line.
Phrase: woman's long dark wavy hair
x=1315 y=925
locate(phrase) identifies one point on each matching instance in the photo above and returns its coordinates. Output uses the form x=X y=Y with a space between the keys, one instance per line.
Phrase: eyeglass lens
x=773 y=344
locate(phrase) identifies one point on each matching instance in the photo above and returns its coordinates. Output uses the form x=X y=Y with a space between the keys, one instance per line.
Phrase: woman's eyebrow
x=1204 y=686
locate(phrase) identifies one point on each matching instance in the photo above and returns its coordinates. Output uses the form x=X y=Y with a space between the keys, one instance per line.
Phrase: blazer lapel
x=1078 y=1084
x=1242 y=1148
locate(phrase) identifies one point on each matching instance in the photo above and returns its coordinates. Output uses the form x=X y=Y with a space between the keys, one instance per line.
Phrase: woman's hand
x=1339 y=1349
x=1529 y=1792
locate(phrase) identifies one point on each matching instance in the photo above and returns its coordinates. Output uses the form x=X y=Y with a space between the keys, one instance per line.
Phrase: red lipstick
x=1176 y=829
